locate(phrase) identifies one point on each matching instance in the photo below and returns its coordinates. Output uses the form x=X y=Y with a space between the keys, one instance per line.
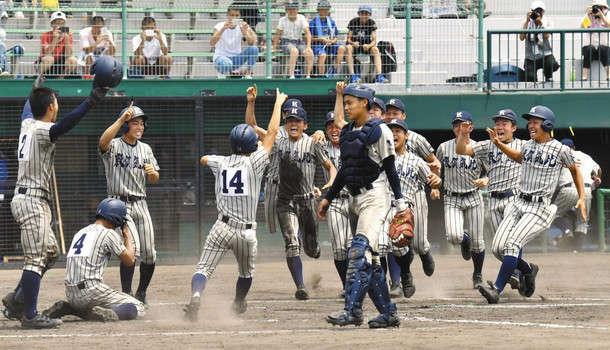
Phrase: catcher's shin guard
x=379 y=293
x=358 y=275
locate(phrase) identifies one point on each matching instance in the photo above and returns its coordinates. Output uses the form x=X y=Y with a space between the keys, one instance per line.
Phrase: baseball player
x=462 y=202
x=129 y=164
x=367 y=166
x=542 y=159
x=413 y=173
x=238 y=185
x=30 y=205
x=90 y=250
x=378 y=109
x=503 y=172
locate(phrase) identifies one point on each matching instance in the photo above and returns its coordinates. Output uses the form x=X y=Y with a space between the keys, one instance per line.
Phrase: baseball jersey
x=334 y=154
x=418 y=145
x=541 y=166
x=36 y=155
x=238 y=183
x=89 y=253
x=413 y=174
x=124 y=163
x=459 y=171
x=380 y=150
x=565 y=177
x=586 y=165
x=297 y=164
x=504 y=173
x=273 y=170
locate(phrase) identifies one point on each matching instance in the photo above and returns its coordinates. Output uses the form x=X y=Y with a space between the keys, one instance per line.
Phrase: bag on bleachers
x=505 y=73
x=388 y=57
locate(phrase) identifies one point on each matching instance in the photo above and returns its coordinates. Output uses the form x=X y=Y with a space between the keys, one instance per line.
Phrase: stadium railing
x=602 y=216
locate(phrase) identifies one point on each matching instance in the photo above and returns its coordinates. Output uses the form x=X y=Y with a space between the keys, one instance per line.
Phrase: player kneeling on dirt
x=88 y=297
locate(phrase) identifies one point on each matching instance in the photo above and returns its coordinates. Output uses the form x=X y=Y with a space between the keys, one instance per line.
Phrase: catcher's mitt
x=401 y=228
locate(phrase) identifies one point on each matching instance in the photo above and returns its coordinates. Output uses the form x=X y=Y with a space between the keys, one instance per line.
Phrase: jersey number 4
x=80 y=247
x=233 y=182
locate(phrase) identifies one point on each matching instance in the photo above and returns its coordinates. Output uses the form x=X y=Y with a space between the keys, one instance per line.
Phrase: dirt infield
x=570 y=309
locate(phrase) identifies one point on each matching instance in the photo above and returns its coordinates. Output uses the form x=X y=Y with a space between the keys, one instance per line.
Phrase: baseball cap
x=462 y=116
x=568 y=142
x=365 y=8
x=291 y=5
x=291 y=102
x=537 y=4
x=398 y=123
x=57 y=15
x=297 y=112
x=396 y=103
x=330 y=118
x=505 y=114
x=324 y=4
x=379 y=102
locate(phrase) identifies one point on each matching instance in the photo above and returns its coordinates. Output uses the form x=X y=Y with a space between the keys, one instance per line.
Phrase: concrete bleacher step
x=191 y=46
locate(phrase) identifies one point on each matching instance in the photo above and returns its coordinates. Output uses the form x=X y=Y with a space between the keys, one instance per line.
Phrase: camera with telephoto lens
x=596 y=9
x=536 y=13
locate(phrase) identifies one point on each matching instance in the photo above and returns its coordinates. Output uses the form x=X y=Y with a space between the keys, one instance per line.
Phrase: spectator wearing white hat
x=598 y=42
x=538 y=50
x=56 y=48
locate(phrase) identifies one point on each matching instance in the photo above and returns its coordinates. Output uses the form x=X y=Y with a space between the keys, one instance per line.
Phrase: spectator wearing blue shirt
x=324 y=35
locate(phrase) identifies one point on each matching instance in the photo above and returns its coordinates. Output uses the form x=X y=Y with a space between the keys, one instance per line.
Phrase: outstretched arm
x=274 y=123
x=512 y=153
x=339 y=117
x=461 y=146
x=332 y=173
x=580 y=187
x=250 y=117
x=68 y=122
x=112 y=130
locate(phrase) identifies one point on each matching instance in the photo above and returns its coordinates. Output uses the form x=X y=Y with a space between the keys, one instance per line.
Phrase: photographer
x=598 y=42
x=95 y=41
x=538 y=50
x=56 y=48
x=150 y=52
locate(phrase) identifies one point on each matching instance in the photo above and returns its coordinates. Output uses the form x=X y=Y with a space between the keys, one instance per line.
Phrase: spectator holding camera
x=227 y=38
x=598 y=43
x=56 y=48
x=362 y=38
x=324 y=38
x=95 y=41
x=538 y=50
x=289 y=33
x=150 y=50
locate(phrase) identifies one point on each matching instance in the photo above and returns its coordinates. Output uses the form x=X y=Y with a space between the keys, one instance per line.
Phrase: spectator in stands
x=324 y=34
x=150 y=51
x=598 y=43
x=362 y=39
x=227 y=38
x=3 y=60
x=289 y=32
x=95 y=41
x=538 y=50
x=56 y=48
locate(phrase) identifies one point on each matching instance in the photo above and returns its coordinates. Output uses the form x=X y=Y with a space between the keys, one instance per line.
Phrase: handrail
x=601 y=217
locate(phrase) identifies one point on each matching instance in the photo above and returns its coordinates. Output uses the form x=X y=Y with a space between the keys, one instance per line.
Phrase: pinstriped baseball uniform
x=237 y=186
x=125 y=177
x=462 y=200
x=504 y=174
x=272 y=184
x=524 y=219
x=588 y=167
x=295 y=204
x=30 y=205
x=86 y=261
x=337 y=216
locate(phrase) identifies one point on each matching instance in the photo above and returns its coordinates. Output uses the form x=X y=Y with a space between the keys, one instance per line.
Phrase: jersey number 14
x=233 y=183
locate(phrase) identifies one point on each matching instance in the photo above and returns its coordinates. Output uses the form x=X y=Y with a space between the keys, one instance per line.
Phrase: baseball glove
x=401 y=228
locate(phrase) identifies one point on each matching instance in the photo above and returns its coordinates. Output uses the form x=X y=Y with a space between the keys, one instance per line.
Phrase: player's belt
x=571 y=184
x=238 y=225
x=309 y=195
x=458 y=194
x=343 y=196
x=501 y=194
x=531 y=198
x=34 y=192
x=128 y=199
x=360 y=190
x=83 y=284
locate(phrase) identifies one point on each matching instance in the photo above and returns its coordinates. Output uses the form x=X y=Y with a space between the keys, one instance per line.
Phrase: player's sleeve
x=423 y=171
x=320 y=153
x=42 y=132
x=108 y=152
x=439 y=153
x=260 y=160
x=114 y=243
x=153 y=160
x=70 y=120
x=27 y=111
x=214 y=163
x=565 y=156
x=385 y=144
x=423 y=148
x=480 y=150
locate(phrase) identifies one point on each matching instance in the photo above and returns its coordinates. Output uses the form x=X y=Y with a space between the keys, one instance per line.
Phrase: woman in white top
x=597 y=48
x=95 y=41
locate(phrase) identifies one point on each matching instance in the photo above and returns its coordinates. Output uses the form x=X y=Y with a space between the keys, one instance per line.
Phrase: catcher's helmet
x=360 y=91
x=243 y=139
x=138 y=113
x=108 y=71
x=112 y=210
x=544 y=113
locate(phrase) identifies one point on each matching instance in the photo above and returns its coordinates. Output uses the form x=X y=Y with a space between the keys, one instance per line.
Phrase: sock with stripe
x=198 y=284
x=295 y=265
x=506 y=269
x=242 y=287
x=30 y=282
x=341 y=266
x=126 y=273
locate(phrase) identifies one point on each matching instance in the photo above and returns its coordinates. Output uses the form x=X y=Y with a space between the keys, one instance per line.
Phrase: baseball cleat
x=191 y=311
x=40 y=321
x=514 y=281
x=101 y=314
x=477 y=280
x=527 y=283
x=385 y=321
x=344 y=318
x=13 y=308
x=59 y=310
x=301 y=293
x=490 y=293
x=427 y=263
x=395 y=290
x=466 y=248
x=239 y=306
x=408 y=288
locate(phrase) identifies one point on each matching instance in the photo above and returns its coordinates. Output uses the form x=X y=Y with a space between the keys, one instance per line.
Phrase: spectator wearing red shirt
x=56 y=48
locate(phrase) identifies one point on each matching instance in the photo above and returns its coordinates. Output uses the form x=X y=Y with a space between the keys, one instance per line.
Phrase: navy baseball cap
x=291 y=5
x=379 y=102
x=291 y=102
x=568 y=142
x=330 y=118
x=297 y=112
x=396 y=103
x=365 y=8
x=462 y=116
x=506 y=114
x=398 y=123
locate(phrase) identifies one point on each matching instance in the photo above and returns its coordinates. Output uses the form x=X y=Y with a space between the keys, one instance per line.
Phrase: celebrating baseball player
x=542 y=159
x=238 y=184
x=30 y=205
x=129 y=164
x=463 y=202
x=90 y=250
x=367 y=166
x=378 y=109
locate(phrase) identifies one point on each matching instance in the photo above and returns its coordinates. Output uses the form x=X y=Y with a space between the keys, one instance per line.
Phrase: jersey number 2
x=24 y=146
x=235 y=185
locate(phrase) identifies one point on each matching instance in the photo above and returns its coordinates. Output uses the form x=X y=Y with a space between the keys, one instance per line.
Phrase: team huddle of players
x=375 y=168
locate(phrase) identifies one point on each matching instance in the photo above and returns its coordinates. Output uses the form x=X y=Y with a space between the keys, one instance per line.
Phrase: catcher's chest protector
x=359 y=170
